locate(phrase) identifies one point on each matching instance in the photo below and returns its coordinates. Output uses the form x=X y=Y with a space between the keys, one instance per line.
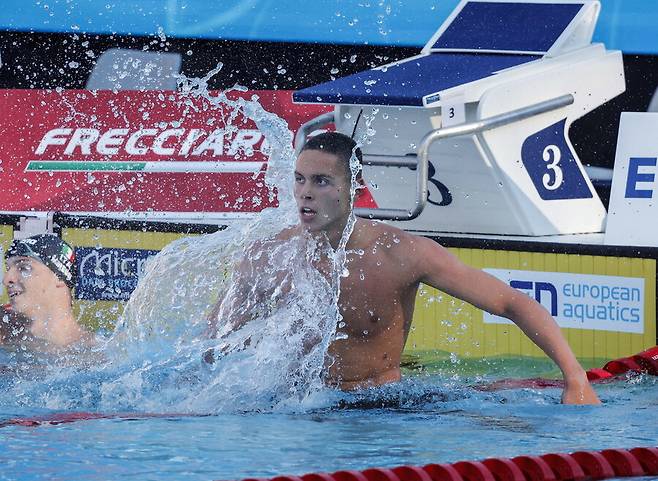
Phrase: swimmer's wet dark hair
x=336 y=144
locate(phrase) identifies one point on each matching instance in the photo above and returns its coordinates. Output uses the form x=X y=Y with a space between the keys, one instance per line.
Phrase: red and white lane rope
x=644 y=362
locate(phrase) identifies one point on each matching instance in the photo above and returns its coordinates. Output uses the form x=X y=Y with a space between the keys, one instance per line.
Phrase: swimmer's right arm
x=442 y=270
x=233 y=311
x=225 y=315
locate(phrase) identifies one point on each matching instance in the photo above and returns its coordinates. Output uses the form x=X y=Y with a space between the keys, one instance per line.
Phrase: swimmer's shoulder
x=260 y=250
x=411 y=252
x=260 y=246
x=396 y=240
x=13 y=326
x=288 y=233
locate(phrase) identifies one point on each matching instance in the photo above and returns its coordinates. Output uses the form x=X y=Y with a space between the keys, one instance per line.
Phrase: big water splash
x=192 y=300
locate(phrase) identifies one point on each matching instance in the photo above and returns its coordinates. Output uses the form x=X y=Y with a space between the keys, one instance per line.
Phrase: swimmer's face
x=30 y=285
x=322 y=191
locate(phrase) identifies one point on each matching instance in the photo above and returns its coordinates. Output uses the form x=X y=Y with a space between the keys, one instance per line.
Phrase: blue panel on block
x=407 y=82
x=552 y=166
x=522 y=27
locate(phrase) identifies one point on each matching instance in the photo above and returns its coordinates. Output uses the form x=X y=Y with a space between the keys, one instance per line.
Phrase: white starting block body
x=505 y=81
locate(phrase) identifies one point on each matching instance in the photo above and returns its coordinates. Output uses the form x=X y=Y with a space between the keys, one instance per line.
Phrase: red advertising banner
x=128 y=151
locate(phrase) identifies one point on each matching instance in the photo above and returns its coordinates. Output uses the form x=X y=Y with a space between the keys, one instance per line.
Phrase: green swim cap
x=49 y=249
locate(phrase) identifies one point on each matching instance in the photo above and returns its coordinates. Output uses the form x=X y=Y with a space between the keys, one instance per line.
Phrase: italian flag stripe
x=58 y=165
x=171 y=166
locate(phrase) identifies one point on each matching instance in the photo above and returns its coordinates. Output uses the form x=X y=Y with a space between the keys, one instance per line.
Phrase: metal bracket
x=308 y=127
x=33 y=225
x=467 y=128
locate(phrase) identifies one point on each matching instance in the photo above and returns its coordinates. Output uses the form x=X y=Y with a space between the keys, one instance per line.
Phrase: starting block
x=471 y=135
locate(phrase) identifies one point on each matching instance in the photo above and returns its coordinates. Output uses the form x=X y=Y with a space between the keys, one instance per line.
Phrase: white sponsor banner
x=582 y=301
x=634 y=196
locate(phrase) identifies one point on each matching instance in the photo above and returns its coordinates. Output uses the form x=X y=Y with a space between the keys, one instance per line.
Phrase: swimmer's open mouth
x=13 y=293
x=307 y=212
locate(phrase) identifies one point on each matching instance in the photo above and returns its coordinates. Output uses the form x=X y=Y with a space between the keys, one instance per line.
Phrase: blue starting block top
x=507 y=26
x=411 y=81
x=480 y=39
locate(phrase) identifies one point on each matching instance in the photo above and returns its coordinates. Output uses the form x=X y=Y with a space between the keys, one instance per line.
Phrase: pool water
x=427 y=418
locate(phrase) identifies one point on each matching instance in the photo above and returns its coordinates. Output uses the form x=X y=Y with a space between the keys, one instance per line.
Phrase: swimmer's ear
x=360 y=188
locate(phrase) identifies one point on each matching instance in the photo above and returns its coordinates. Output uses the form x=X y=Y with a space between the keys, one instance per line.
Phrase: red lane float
x=595 y=465
x=648 y=458
x=564 y=466
x=577 y=466
x=644 y=362
x=535 y=467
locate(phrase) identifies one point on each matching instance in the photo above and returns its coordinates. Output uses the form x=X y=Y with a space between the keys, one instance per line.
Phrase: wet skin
x=29 y=283
x=43 y=301
x=386 y=267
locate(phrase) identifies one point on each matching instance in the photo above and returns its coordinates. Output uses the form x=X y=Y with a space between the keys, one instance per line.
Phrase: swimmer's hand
x=578 y=390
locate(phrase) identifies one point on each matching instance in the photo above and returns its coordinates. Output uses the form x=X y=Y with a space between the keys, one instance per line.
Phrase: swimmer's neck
x=58 y=327
x=334 y=235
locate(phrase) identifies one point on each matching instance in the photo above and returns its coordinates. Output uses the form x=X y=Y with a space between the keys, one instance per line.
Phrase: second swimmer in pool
x=40 y=274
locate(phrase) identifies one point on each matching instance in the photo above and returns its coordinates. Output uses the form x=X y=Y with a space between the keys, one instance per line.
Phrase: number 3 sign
x=453 y=111
x=552 y=166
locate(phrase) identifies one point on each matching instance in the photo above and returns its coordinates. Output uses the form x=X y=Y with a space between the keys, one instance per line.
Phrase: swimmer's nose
x=8 y=277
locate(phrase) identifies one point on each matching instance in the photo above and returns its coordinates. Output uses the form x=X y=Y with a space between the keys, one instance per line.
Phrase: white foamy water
x=154 y=361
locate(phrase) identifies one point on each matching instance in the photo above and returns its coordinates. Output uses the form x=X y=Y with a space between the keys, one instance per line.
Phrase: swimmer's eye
x=322 y=181
x=24 y=268
x=299 y=179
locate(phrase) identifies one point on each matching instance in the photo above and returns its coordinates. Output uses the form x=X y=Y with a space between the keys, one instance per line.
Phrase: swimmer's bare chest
x=373 y=301
x=376 y=302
